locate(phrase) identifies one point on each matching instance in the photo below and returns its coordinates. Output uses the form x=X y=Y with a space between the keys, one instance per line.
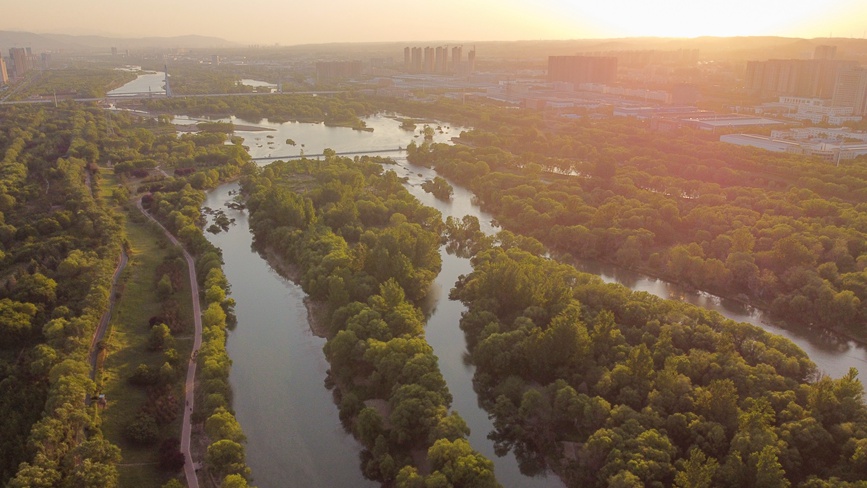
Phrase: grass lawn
x=126 y=345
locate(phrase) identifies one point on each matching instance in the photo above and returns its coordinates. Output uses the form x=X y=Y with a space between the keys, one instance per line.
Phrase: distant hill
x=51 y=42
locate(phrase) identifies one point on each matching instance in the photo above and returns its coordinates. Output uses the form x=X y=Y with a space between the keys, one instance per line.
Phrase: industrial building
x=828 y=144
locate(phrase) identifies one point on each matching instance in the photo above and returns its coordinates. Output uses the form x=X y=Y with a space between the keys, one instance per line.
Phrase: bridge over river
x=343 y=153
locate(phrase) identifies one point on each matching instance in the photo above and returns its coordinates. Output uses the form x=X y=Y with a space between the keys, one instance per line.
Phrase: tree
x=227 y=457
x=143 y=430
x=160 y=338
x=234 y=481
x=15 y=320
x=461 y=465
x=36 y=288
x=223 y=425
x=769 y=472
x=30 y=476
x=697 y=471
x=171 y=458
x=164 y=287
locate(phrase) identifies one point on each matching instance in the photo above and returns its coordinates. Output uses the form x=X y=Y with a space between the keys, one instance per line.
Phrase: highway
x=146 y=96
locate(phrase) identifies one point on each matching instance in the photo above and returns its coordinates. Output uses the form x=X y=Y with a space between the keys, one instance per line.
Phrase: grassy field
x=126 y=346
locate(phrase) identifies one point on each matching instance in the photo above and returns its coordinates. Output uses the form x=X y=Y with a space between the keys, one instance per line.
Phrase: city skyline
x=274 y=22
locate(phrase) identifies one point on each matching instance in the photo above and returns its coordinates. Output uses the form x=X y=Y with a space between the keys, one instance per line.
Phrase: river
x=153 y=82
x=294 y=434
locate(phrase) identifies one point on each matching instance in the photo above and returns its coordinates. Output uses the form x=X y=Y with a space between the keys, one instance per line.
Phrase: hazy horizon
x=274 y=22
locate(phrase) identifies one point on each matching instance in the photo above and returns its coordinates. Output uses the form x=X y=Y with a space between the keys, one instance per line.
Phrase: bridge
x=343 y=153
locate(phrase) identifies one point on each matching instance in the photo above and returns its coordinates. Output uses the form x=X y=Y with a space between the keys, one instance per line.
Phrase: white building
x=816 y=110
x=829 y=151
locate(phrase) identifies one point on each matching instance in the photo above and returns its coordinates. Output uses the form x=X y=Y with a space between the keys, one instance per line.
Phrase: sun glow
x=690 y=18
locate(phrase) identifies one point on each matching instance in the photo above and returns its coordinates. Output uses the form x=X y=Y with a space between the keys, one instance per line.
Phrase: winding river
x=293 y=430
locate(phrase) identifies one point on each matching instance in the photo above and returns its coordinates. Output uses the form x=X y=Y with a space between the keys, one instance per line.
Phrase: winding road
x=189 y=385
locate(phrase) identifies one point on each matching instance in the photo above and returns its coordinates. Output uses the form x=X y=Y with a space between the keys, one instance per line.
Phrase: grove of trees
x=59 y=244
x=783 y=232
x=369 y=251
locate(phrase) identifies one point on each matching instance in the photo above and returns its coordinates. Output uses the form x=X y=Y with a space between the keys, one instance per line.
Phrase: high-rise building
x=429 y=61
x=444 y=64
x=416 y=60
x=808 y=78
x=456 y=58
x=114 y=51
x=471 y=61
x=4 y=75
x=825 y=52
x=582 y=69
x=851 y=90
x=20 y=60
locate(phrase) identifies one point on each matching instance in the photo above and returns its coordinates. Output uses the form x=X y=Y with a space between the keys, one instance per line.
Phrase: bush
x=142 y=431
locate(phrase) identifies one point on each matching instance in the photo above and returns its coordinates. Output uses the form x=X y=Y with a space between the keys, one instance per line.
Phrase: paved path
x=99 y=333
x=189 y=385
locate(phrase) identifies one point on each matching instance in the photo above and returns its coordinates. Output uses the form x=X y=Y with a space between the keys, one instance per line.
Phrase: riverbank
x=316 y=310
x=769 y=320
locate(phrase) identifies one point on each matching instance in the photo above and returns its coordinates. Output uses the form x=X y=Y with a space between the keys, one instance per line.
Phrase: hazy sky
x=300 y=22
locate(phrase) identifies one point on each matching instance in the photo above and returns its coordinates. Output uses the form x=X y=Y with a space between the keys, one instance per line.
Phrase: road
x=99 y=333
x=147 y=96
x=190 y=383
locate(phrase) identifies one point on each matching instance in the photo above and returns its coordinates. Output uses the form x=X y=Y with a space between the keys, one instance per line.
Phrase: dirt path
x=99 y=333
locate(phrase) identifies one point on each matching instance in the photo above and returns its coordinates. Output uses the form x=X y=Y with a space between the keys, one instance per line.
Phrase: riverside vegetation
x=607 y=387
x=615 y=388
x=783 y=232
x=369 y=251
x=61 y=242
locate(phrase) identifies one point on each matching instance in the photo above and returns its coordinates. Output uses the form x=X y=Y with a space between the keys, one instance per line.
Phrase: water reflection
x=279 y=368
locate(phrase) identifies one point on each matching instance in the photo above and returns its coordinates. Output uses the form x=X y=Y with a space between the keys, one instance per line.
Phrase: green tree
x=223 y=425
x=461 y=465
x=697 y=471
x=227 y=457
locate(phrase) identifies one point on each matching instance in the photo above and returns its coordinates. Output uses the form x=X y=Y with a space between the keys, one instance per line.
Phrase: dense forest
x=616 y=388
x=783 y=232
x=60 y=244
x=84 y=82
x=368 y=251
x=62 y=237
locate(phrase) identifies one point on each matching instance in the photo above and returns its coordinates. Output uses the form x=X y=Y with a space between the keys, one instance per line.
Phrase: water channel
x=152 y=82
x=294 y=434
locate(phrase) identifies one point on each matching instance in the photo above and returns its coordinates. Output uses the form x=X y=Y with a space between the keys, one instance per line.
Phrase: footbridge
x=343 y=153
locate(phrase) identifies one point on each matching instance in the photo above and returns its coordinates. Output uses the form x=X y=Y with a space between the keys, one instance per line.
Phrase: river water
x=294 y=434
x=146 y=83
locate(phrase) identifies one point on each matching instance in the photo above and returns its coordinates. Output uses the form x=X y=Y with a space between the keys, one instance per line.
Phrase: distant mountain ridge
x=51 y=42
